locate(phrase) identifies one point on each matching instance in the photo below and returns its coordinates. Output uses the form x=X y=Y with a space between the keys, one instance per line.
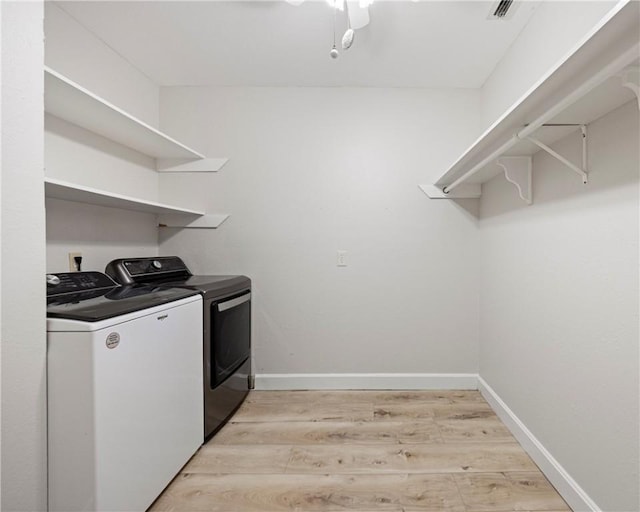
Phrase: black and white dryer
x=226 y=328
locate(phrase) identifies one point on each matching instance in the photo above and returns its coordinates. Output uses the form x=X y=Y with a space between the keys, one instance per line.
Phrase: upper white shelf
x=582 y=87
x=69 y=101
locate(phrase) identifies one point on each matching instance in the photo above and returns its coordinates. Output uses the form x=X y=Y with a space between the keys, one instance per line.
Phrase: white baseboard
x=568 y=488
x=290 y=381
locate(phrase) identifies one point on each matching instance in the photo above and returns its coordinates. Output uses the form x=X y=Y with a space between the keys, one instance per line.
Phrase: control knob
x=157 y=264
x=53 y=280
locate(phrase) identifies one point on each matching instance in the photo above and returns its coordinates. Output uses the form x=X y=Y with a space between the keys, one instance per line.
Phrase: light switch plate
x=341 y=260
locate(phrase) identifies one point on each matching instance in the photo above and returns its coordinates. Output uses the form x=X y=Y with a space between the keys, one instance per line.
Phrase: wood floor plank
x=480 y=430
x=310 y=493
x=495 y=492
x=328 y=432
x=303 y=411
x=402 y=411
x=414 y=458
x=408 y=432
x=408 y=411
x=467 y=411
x=377 y=396
x=219 y=458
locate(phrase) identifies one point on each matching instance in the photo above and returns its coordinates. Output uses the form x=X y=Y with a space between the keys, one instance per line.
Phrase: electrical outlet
x=72 y=262
x=341 y=260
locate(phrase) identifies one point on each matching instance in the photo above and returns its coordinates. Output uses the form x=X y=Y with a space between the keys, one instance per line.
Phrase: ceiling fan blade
x=358 y=16
x=347 y=39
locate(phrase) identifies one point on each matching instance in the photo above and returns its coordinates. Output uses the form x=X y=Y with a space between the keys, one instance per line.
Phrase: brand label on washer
x=113 y=340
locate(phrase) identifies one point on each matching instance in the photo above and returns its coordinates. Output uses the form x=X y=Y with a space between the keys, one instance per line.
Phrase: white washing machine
x=124 y=390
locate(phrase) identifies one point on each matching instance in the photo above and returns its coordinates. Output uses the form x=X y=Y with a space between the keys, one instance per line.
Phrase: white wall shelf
x=73 y=103
x=596 y=77
x=172 y=216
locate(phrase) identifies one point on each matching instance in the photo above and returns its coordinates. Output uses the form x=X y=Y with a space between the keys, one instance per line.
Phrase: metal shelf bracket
x=517 y=170
x=631 y=80
x=582 y=171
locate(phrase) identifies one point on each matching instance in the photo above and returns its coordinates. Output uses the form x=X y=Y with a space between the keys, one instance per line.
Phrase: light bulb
x=334 y=52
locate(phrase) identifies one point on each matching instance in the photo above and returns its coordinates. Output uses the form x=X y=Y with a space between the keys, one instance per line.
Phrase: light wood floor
x=365 y=451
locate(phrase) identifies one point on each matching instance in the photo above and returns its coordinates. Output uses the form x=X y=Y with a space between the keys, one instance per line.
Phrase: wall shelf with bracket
x=169 y=215
x=600 y=74
x=73 y=103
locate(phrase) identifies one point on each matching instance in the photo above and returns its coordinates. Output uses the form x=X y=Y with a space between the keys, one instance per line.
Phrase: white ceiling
x=264 y=43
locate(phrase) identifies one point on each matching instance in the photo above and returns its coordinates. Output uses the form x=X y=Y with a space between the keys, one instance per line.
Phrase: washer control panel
x=74 y=282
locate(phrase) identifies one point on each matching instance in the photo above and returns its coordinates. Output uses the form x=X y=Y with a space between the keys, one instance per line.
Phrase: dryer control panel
x=140 y=270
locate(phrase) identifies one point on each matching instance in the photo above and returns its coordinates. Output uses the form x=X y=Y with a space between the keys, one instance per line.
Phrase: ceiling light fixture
x=357 y=14
x=334 y=52
x=347 y=38
x=339 y=4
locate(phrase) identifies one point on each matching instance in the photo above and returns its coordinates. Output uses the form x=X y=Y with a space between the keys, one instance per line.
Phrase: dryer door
x=230 y=336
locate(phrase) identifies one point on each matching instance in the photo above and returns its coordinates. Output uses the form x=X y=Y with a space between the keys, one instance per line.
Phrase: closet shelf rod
x=611 y=69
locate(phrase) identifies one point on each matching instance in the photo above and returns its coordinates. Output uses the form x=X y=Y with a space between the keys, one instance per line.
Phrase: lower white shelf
x=180 y=217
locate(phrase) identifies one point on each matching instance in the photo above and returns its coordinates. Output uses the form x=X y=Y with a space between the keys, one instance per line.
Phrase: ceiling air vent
x=501 y=10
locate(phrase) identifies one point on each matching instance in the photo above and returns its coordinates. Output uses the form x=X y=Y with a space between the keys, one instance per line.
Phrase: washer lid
x=95 y=305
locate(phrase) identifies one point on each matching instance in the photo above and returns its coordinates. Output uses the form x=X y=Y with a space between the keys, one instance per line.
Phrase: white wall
x=559 y=307
x=100 y=234
x=78 y=156
x=312 y=171
x=23 y=342
x=554 y=29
